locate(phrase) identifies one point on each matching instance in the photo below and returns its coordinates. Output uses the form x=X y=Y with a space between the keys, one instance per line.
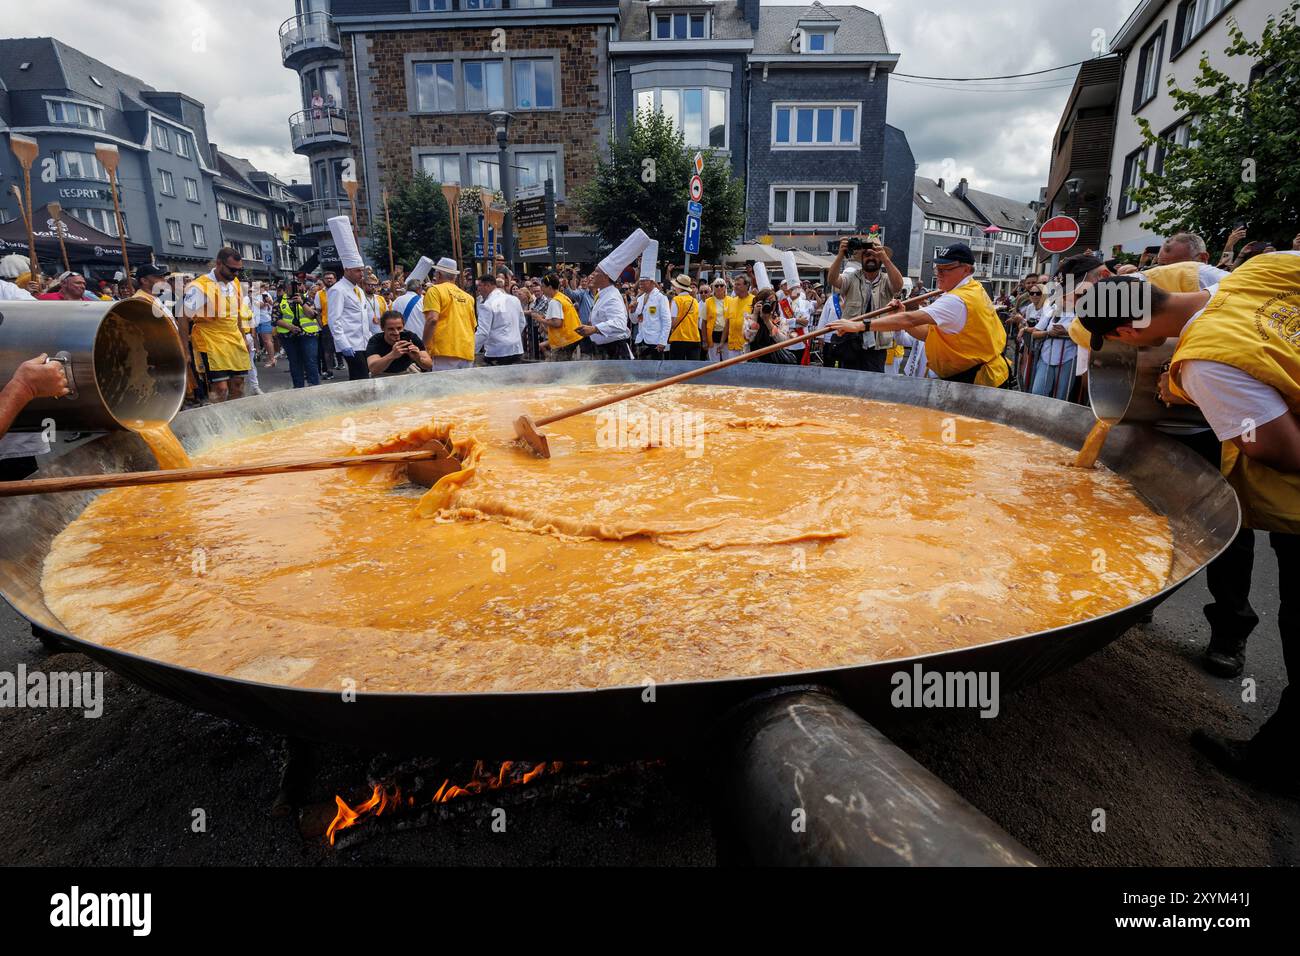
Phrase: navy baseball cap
x=957 y=252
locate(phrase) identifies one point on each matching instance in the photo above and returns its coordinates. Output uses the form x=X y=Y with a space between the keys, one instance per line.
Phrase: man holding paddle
x=964 y=338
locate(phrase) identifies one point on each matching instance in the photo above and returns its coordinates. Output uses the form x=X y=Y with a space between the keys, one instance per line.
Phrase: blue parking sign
x=691 y=243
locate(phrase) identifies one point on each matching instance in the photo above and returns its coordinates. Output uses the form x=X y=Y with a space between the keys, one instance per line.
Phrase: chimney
x=940 y=185
x=961 y=188
x=750 y=10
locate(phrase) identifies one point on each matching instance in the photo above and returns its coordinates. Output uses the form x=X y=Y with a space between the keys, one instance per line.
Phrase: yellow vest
x=735 y=308
x=381 y=306
x=980 y=342
x=1176 y=277
x=216 y=330
x=566 y=334
x=1253 y=324
x=687 y=323
x=711 y=317
x=453 y=336
x=322 y=306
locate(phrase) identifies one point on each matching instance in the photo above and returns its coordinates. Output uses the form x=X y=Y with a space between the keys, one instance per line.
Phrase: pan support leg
x=806 y=781
x=296 y=775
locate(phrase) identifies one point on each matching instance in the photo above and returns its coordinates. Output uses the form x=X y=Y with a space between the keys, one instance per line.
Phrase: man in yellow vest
x=215 y=308
x=449 y=319
x=1238 y=360
x=737 y=309
x=964 y=338
x=684 y=321
x=561 y=322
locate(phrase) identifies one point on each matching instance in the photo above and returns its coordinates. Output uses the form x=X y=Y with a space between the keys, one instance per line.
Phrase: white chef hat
x=345 y=242
x=650 y=260
x=789 y=268
x=761 y=281
x=12 y=266
x=421 y=270
x=618 y=260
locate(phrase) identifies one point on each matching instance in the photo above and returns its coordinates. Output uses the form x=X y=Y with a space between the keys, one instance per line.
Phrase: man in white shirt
x=607 y=325
x=653 y=317
x=346 y=302
x=408 y=303
x=11 y=267
x=499 y=335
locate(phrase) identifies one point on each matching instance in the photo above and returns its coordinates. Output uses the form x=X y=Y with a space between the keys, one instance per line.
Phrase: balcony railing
x=324 y=124
x=981 y=245
x=311 y=31
x=314 y=214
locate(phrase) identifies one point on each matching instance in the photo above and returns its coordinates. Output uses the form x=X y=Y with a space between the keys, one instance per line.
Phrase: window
x=1135 y=165
x=480 y=4
x=64 y=113
x=174 y=232
x=484 y=170
x=444 y=169
x=200 y=239
x=101 y=219
x=1193 y=17
x=1148 y=72
x=75 y=165
x=435 y=89
x=529 y=4
x=191 y=189
x=701 y=114
x=884 y=195
x=813 y=206
x=484 y=87
x=166 y=184
x=182 y=145
x=160 y=137
x=533 y=169
x=811 y=126
x=534 y=84
x=1180 y=134
x=681 y=26
x=432 y=6
x=817 y=41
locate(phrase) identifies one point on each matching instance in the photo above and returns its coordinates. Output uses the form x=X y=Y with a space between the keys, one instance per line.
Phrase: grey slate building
x=258 y=215
x=68 y=102
x=690 y=59
x=819 y=89
x=942 y=218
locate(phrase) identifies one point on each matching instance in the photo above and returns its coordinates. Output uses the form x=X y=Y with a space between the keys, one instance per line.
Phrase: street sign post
x=695 y=209
x=1058 y=234
x=691 y=241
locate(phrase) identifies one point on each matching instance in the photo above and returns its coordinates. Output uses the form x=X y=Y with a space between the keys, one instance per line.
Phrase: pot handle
x=66 y=360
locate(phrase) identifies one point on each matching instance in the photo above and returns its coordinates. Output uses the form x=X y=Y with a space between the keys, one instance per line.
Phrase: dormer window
x=681 y=26
x=819 y=41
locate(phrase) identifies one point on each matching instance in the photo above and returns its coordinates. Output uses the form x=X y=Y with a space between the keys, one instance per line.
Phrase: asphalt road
x=1110 y=734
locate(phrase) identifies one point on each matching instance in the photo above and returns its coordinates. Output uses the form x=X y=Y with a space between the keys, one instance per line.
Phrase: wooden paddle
x=433 y=464
x=526 y=427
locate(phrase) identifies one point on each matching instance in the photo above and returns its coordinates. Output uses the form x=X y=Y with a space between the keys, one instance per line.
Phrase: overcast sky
x=999 y=140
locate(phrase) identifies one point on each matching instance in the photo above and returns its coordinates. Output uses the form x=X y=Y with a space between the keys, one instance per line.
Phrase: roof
x=729 y=21
x=859 y=31
x=57 y=66
x=1142 y=16
x=941 y=205
x=1000 y=211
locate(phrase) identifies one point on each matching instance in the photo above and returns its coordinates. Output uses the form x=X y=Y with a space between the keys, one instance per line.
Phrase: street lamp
x=500 y=119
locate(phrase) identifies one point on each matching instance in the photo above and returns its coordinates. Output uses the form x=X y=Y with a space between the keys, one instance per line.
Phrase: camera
x=856 y=244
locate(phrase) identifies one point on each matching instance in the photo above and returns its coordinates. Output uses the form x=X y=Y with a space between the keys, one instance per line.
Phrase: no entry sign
x=697 y=189
x=1058 y=234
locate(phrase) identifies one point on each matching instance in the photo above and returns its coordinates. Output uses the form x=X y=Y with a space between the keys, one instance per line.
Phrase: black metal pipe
x=804 y=781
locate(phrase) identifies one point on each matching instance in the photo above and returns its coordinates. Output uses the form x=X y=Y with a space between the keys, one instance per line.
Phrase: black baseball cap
x=1111 y=303
x=957 y=252
x=1079 y=266
x=148 y=271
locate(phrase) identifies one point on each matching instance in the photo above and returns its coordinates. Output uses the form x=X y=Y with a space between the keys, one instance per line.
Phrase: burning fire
x=383 y=801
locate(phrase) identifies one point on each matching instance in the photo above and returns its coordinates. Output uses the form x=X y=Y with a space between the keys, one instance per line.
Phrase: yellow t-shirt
x=215 y=328
x=686 y=327
x=453 y=336
x=566 y=334
x=735 y=309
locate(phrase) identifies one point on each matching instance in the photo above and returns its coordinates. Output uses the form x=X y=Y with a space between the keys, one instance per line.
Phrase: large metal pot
x=615 y=721
x=1123 y=385
x=124 y=362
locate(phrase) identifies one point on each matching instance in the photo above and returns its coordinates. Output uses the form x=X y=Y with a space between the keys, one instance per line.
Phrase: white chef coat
x=349 y=316
x=654 y=311
x=10 y=291
x=802 y=310
x=609 y=316
x=414 y=321
x=500 y=326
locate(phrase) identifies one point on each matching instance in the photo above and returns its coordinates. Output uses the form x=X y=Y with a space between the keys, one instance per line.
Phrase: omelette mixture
x=695 y=533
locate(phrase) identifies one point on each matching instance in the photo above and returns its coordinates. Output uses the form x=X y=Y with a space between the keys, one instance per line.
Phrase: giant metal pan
x=611 y=722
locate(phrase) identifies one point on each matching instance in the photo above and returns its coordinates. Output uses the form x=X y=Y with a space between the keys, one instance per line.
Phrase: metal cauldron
x=614 y=722
x=124 y=362
x=1123 y=386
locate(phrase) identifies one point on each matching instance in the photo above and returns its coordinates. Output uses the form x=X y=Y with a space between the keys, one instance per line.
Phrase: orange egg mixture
x=698 y=532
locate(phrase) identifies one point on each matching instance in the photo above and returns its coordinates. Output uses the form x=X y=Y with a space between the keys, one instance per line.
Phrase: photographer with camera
x=300 y=335
x=871 y=287
x=394 y=350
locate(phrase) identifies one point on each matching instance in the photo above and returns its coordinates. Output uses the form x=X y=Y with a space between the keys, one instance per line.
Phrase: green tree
x=421 y=226
x=1240 y=162
x=643 y=183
